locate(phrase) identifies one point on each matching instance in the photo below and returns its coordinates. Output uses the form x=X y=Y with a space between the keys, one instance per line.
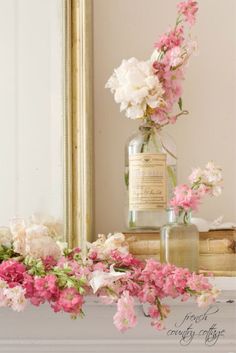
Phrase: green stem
x=158 y=303
x=147 y=136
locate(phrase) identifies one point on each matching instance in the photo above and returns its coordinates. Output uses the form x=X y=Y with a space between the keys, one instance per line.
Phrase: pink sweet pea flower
x=125 y=317
x=158 y=325
x=188 y=9
x=69 y=301
x=185 y=198
x=46 y=287
x=174 y=38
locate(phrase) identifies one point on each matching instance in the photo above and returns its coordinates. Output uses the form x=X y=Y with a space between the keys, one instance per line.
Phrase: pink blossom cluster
x=170 y=59
x=188 y=9
x=185 y=198
x=207 y=181
x=114 y=277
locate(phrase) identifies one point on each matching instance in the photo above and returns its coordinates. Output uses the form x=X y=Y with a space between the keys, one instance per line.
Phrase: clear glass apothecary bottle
x=179 y=241
x=150 y=176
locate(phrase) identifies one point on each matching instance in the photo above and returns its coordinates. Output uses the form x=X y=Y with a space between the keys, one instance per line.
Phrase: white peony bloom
x=104 y=245
x=17 y=227
x=116 y=242
x=33 y=240
x=55 y=226
x=39 y=244
x=5 y=236
x=135 y=87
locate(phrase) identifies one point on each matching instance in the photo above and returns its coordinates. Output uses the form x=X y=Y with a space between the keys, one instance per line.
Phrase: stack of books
x=217 y=250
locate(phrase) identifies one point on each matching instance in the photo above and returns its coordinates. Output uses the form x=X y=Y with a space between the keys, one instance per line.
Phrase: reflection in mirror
x=129 y=29
x=32 y=108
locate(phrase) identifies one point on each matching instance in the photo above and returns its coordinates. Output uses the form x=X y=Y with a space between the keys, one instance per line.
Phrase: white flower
x=5 y=236
x=104 y=245
x=175 y=57
x=135 y=86
x=191 y=47
x=3 y=299
x=208 y=298
x=33 y=240
x=16 y=298
x=55 y=227
x=17 y=227
x=116 y=242
x=216 y=190
x=196 y=175
x=102 y=279
x=39 y=244
x=205 y=299
x=212 y=173
x=210 y=177
x=62 y=245
x=155 y=56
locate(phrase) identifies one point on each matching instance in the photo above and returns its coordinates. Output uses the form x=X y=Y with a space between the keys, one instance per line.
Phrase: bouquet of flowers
x=149 y=90
x=36 y=268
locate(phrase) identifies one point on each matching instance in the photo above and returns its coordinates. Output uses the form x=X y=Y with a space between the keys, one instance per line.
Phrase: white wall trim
x=112 y=346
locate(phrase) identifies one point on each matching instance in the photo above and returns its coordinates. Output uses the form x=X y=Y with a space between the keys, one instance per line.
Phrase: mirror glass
x=31 y=108
x=123 y=29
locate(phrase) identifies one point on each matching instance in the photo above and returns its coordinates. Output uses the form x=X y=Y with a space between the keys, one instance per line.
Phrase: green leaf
x=180 y=103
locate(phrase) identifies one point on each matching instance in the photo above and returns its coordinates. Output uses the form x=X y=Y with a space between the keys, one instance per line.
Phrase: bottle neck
x=183 y=217
x=149 y=126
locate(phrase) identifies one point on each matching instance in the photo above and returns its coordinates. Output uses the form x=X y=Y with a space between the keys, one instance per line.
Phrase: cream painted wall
x=126 y=28
x=31 y=108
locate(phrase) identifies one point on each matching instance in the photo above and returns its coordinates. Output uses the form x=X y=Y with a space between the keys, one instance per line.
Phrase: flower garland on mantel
x=37 y=268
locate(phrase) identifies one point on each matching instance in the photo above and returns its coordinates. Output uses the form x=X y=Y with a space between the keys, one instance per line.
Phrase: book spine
x=208 y=246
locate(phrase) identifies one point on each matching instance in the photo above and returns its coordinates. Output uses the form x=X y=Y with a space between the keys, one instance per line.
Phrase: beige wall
x=126 y=28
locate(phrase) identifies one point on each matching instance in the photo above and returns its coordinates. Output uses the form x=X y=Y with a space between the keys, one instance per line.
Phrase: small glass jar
x=150 y=176
x=179 y=241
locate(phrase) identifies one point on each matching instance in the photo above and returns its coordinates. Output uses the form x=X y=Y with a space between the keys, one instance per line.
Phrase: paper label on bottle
x=147 y=181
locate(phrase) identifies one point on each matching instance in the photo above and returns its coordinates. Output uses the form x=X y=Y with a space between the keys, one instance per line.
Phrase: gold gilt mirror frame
x=78 y=151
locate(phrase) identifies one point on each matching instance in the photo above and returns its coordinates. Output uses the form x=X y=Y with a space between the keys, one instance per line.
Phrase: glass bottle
x=179 y=241
x=150 y=176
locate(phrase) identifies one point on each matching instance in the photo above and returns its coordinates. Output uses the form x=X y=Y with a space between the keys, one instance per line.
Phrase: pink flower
x=69 y=301
x=49 y=262
x=174 y=38
x=153 y=312
x=12 y=272
x=28 y=285
x=185 y=198
x=198 y=283
x=158 y=325
x=74 y=252
x=46 y=288
x=127 y=260
x=188 y=9
x=125 y=317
